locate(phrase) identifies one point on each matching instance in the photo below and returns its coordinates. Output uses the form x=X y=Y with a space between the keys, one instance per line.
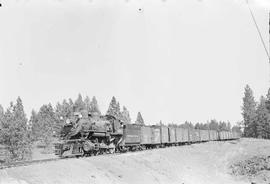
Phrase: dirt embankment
x=205 y=163
x=253 y=166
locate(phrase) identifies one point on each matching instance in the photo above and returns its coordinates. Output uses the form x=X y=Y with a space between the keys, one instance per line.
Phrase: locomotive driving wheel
x=111 y=148
x=87 y=147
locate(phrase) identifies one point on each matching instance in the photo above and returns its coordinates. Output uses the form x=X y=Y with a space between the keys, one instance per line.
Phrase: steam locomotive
x=93 y=134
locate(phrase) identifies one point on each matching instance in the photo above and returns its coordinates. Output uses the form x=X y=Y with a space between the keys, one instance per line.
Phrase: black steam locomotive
x=89 y=134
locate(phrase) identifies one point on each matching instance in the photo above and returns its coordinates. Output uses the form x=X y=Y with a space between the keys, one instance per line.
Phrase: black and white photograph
x=134 y=91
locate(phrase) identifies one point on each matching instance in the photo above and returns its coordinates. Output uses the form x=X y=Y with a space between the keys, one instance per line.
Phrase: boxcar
x=156 y=139
x=185 y=135
x=146 y=135
x=179 y=135
x=222 y=135
x=197 y=135
x=230 y=135
x=227 y=135
x=204 y=134
x=235 y=135
x=164 y=134
x=192 y=135
x=172 y=135
x=213 y=135
x=132 y=134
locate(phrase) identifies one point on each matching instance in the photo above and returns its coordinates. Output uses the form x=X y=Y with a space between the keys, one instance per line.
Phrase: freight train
x=93 y=134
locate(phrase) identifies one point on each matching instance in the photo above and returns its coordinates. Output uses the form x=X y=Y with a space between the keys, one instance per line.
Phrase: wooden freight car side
x=213 y=135
x=178 y=135
x=164 y=131
x=172 y=135
x=155 y=135
x=132 y=134
x=185 y=135
x=146 y=135
x=197 y=135
x=204 y=134
x=192 y=136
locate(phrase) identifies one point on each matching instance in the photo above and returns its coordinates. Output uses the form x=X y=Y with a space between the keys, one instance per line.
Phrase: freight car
x=96 y=134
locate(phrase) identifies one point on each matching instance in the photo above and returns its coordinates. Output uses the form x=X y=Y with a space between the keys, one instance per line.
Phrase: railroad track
x=25 y=163
x=30 y=162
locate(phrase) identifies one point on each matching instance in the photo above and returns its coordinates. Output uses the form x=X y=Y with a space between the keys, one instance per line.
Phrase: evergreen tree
x=114 y=108
x=213 y=125
x=125 y=116
x=267 y=102
x=139 y=119
x=14 y=133
x=237 y=129
x=205 y=126
x=187 y=125
x=1 y=116
x=94 y=106
x=87 y=103
x=228 y=126
x=62 y=113
x=197 y=126
x=79 y=104
x=33 y=121
x=249 y=113
x=222 y=126
x=45 y=128
x=71 y=106
x=262 y=119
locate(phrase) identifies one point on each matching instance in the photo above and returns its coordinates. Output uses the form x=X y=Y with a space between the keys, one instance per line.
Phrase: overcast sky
x=172 y=60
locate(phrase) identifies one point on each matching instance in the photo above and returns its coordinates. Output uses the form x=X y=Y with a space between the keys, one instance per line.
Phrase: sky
x=172 y=60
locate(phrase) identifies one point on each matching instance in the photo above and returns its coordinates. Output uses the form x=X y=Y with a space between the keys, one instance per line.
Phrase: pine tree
x=249 y=113
x=213 y=125
x=139 y=119
x=45 y=126
x=14 y=132
x=114 y=108
x=267 y=102
x=1 y=116
x=262 y=119
x=33 y=121
x=71 y=106
x=237 y=129
x=94 y=106
x=79 y=104
x=229 y=127
x=62 y=113
x=222 y=126
x=197 y=126
x=87 y=103
x=125 y=116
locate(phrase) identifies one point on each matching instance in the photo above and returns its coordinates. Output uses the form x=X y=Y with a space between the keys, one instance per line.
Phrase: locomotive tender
x=94 y=134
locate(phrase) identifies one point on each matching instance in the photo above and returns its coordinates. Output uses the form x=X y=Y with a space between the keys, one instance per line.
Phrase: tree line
x=256 y=115
x=213 y=124
x=17 y=133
